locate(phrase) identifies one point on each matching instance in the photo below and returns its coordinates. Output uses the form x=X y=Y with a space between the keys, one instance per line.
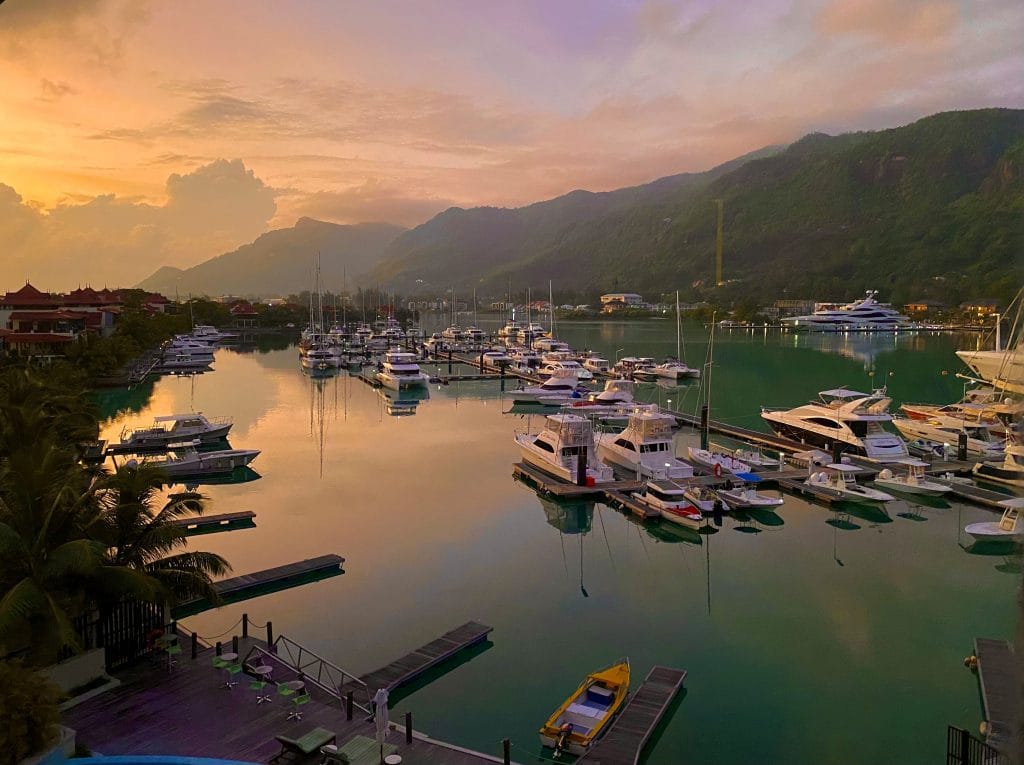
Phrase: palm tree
x=34 y=407
x=45 y=563
x=139 y=536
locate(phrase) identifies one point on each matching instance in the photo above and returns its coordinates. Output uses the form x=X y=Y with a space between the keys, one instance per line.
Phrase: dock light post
x=617 y=352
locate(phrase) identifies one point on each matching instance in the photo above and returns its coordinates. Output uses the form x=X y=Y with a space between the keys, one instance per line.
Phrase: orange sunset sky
x=137 y=134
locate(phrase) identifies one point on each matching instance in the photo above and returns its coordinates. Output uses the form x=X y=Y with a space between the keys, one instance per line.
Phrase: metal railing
x=314 y=669
x=964 y=749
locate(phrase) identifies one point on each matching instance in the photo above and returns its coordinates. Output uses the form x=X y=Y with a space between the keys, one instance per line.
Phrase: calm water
x=803 y=641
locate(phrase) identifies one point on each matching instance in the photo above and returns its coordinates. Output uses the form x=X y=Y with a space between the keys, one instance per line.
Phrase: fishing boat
x=843 y=480
x=645 y=447
x=1006 y=528
x=746 y=497
x=914 y=481
x=176 y=428
x=578 y=722
x=717 y=461
x=553 y=365
x=564 y=446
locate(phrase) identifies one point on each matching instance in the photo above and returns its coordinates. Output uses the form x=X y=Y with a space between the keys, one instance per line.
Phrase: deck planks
x=415 y=663
x=624 y=741
x=1000 y=688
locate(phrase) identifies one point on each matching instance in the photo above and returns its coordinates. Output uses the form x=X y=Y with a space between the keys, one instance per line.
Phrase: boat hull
x=923 y=487
x=1000 y=474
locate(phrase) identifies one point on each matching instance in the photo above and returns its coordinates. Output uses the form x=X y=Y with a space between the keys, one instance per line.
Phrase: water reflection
x=571 y=518
x=402 y=403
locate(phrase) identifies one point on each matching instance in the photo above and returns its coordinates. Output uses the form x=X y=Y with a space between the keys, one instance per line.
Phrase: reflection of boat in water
x=581 y=718
x=238 y=475
x=403 y=403
x=673 y=533
x=568 y=517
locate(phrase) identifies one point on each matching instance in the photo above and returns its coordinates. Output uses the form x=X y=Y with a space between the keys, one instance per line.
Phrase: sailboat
x=1002 y=368
x=315 y=349
x=675 y=369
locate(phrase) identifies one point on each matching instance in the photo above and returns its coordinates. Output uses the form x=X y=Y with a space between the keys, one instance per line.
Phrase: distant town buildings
x=613 y=302
x=42 y=323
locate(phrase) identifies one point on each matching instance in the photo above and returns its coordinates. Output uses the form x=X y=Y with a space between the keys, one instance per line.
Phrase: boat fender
x=717 y=470
x=971 y=662
x=885 y=474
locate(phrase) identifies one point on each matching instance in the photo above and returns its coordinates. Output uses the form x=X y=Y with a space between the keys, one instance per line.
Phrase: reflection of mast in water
x=317 y=415
x=575 y=518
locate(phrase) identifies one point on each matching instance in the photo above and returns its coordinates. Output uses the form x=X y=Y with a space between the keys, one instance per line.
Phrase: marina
x=610 y=551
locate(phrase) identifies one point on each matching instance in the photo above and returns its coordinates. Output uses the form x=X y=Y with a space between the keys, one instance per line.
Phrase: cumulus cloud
x=109 y=240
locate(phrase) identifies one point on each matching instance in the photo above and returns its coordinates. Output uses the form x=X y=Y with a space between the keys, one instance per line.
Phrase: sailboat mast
x=679 y=341
x=551 y=309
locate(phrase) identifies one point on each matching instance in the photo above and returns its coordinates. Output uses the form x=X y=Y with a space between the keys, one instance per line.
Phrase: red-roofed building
x=244 y=315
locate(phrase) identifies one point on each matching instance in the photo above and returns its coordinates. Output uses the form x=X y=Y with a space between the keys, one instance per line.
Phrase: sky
x=136 y=134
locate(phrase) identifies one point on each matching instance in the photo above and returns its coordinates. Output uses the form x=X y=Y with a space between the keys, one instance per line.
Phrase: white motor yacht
x=559 y=388
x=645 y=447
x=914 y=481
x=212 y=334
x=184 y=362
x=182 y=459
x=854 y=420
x=474 y=334
x=436 y=344
x=643 y=369
x=529 y=333
x=525 y=360
x=843 y=480
x=558 y=450
x=400 y=371
x=597 y=365
x=550 y=345
x=628 y=364
x=865 y=315
x=718 y=461
x=1010 y=471
x=747 y=497
x=453 y=333
x=176 y=428
x=946 y=430
x=1006 y=528
x=671 y=369
x=982 y=406
x=550 y=367
x=669 y=499
x=195 y=348
x=616 y=394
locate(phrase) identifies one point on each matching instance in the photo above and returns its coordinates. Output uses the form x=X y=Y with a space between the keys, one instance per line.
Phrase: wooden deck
x=187 y=712
x=624 y=741
x=637 y=508
x=247 y=586
x=976 y=494
x=211 y=524
x=416 y=663
x=559 y=488
x=1000 y=689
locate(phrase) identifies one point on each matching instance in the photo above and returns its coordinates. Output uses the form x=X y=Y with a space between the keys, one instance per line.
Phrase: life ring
x=717 y=470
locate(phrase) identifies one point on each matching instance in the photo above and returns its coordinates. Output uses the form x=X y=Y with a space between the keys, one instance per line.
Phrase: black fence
x=962 y=748
x=125 y=632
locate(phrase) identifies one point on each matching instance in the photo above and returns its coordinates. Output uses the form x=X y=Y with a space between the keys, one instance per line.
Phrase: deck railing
x=964 y=749
x=314 y=669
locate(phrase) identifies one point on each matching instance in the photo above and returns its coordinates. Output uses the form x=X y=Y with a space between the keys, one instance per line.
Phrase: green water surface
x=808 y=637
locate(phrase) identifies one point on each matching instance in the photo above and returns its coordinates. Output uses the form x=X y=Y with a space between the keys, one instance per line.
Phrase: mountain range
x=930 y=208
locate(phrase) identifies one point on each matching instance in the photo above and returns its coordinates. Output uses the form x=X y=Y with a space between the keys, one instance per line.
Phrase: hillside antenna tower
x=718 y=244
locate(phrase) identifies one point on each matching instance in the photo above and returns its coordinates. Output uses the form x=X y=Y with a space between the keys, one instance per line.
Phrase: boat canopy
x=843 y=468
x=842 y=393
x=1014 y=503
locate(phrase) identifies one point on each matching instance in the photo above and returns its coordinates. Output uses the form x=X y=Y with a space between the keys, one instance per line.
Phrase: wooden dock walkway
x=976 y=494
x=211 y=524
x=247 y=586
x=624 y=741
x=637 y=508
x=1000 y=689
x=559 y=488
x=415 y=663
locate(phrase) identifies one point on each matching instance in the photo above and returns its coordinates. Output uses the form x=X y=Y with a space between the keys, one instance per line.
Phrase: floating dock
x=976 y=494
x=624 y=741
x=564 y=490
x=414 y=664
x=634 y=506
x=1000 y=690
x=211 y=524
x=247 y=586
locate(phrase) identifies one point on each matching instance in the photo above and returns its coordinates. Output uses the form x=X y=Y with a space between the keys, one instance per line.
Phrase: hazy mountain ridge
x=282 y=261
x=889 y=209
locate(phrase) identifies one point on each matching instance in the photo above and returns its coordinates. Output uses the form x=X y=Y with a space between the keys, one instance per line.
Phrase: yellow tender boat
x=583 y=717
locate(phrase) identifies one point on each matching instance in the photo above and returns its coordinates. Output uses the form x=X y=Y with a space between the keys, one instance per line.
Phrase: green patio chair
x=298 y=701
x=259 y=685
x=172 y=650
